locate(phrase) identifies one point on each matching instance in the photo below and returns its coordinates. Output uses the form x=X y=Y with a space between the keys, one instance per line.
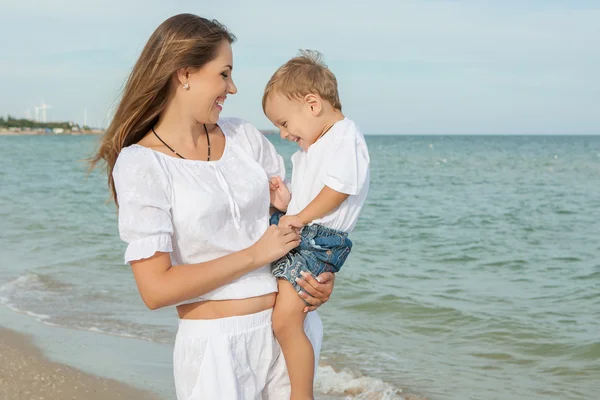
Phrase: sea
x=475 y=272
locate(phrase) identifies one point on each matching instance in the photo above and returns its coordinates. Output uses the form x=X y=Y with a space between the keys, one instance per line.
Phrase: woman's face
x=209 y=87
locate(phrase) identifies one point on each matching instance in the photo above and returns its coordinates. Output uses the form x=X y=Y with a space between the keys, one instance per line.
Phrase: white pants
x=235 y=358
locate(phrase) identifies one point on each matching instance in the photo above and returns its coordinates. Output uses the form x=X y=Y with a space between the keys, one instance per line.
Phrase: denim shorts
x=321 y=249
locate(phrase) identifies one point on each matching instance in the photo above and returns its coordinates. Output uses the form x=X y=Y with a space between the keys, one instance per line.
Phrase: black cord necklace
x=180 y=156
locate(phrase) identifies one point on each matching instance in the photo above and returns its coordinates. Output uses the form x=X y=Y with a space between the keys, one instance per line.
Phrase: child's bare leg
x=288 y=325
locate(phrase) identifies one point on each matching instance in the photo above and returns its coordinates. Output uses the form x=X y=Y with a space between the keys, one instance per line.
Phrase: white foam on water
x=39 y=317
x=32 y=282
x=351 y=385
x=113 y=333
x=22 y=283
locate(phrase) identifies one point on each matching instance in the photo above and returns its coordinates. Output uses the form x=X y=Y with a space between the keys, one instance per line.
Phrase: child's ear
x=314 y=103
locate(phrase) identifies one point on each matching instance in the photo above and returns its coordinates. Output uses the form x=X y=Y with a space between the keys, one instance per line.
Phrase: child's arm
x=326 y=201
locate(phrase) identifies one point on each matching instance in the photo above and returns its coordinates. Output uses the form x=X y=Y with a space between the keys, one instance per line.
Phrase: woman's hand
x=316 y=291
x=274 y=244
x=279 y=194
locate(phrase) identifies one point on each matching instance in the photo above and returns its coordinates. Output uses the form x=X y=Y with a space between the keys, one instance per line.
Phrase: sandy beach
x=26 y=374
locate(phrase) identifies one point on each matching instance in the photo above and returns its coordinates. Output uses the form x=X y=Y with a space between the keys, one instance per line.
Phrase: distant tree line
x=10 y=122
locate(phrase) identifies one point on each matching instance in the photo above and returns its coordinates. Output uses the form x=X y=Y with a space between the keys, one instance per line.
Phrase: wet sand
x=26 y=374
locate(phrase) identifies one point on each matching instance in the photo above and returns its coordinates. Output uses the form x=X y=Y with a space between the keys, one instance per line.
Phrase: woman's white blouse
x=197 y=210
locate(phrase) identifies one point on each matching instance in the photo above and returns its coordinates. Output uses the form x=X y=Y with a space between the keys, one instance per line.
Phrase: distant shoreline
x=38 y=132
x=5 y=132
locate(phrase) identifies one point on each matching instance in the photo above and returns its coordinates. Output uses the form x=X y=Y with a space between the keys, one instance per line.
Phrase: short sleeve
x=347 y=168
x=145 y=222
x=264 y=152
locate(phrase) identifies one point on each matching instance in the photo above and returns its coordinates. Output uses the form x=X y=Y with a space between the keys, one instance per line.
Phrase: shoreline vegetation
x=15 y=126
x=25 y=127
x=44 y=132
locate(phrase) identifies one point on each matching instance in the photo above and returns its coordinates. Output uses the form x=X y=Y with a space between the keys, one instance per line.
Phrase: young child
x=330 y=181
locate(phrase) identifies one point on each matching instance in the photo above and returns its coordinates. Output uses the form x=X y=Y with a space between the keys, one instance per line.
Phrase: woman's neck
x=179 y=129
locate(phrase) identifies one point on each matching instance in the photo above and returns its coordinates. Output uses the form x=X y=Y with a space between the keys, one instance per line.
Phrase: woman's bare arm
x=160 y=284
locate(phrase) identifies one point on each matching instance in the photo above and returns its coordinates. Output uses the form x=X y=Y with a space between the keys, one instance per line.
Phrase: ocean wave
x=37 y=287
x=22 y=283
x=352 y=385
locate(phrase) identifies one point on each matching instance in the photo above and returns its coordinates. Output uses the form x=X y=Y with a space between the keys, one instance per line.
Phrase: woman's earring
x=186 y=86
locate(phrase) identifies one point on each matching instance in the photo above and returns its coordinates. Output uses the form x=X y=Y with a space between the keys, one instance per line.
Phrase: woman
x=193 y=198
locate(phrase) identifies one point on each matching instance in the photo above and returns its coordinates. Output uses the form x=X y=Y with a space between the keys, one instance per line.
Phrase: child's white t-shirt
x=340 y=160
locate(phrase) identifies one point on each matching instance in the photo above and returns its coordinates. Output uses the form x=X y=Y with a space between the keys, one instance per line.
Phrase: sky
x=403 y=67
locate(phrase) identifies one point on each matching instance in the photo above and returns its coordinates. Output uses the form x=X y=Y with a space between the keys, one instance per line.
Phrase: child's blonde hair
x=303 y=75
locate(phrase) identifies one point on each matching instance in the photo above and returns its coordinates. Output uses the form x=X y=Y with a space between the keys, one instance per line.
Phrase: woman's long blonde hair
x=182 y=41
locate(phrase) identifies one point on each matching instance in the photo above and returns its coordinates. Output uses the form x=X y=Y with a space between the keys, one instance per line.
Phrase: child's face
x=295 y=119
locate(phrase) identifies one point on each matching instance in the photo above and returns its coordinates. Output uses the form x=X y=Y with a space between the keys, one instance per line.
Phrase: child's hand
x=279 y=193
x=291 y=221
